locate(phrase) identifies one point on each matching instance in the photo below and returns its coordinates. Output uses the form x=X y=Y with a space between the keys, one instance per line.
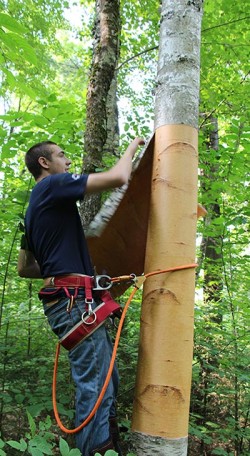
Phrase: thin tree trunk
x=111 y=145
x=211 y=254
x=102 y=117
x=29 y=338
x=161 y=407
x=212 y=245
x=4 y=370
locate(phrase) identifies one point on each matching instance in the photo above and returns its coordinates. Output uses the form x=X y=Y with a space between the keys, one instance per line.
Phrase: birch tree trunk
x=101 y=131
x=162 y=397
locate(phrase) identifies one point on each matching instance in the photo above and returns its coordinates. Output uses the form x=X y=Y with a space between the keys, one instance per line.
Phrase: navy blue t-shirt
x=53 y=226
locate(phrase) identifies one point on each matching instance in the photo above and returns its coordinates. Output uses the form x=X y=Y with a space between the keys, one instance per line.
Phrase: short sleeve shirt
x=53 y=226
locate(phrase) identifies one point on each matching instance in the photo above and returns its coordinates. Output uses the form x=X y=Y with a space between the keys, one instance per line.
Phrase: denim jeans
x=89 y=363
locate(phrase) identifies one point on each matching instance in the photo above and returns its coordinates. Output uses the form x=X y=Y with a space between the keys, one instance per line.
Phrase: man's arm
x=27 y=265
x=118 y=175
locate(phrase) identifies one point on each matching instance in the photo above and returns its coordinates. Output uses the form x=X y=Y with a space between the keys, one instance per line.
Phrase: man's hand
x=118 y=175
x=133 y=146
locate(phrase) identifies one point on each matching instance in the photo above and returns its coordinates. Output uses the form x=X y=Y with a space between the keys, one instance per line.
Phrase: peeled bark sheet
x=117 y=235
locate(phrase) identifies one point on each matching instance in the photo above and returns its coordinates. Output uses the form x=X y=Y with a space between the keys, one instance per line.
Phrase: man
x=56 y=250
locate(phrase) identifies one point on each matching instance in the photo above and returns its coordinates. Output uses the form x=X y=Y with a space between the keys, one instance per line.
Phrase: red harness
x=91 y=319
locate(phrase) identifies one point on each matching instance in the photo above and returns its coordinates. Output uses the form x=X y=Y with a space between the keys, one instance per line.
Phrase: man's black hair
x=42 y=149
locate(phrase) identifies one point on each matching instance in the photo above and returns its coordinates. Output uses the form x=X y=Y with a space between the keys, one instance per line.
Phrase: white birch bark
x=160 y=415
x=148 y=445
x=177 y=92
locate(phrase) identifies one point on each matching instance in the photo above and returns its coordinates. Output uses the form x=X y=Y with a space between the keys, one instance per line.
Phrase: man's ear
x=43 y=162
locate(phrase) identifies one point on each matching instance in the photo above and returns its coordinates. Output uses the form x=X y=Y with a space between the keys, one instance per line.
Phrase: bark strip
x=166 y=343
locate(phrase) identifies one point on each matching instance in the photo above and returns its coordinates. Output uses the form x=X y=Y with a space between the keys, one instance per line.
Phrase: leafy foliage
x=44 y=69
x=38 y=441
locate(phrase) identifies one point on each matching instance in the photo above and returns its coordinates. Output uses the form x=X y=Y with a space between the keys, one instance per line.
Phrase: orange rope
x=112 y=361
x=176 y=268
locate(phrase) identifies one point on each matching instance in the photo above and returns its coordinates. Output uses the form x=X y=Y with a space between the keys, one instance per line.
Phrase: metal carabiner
x=89 y=313
x=102 y=282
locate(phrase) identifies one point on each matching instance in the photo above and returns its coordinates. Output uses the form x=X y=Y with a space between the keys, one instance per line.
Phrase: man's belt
x=98 y=282
x=91 y=320
x=70 y=281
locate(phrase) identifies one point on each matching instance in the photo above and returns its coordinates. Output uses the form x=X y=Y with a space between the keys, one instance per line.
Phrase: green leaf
x=23 y=445
x=20 y=46
x=35 y=452
x=26 y=89
x=27 y=52
x=32 y=424
x=10 y=23
x=2 y=452
x=46 y=424
x=212 y=425
x=220 y=451
x=15 y=444
x=10 y=78
x=35 y=409
x=75 y=452
x=65 y=451
x=111 y=453
x=64 y=447
x=40 y=443
x=40 y=121
x=19 y=398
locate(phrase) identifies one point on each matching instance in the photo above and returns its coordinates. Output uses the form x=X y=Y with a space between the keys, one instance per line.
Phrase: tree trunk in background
x=161 y=407
x=212 y=245
x=101 y=132
x=212 y=265
x=112 y=141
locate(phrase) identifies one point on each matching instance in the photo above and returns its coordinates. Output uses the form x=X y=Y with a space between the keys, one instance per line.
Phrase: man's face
x=58 y=163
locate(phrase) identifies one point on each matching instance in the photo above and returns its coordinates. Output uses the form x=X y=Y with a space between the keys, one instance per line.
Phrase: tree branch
x=203 y=31
x=225 y=23
x=135 y=56
x=243 y=79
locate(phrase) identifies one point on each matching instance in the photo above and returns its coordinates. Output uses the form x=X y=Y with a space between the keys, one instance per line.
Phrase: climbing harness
x=92 y=318
x=90 y=321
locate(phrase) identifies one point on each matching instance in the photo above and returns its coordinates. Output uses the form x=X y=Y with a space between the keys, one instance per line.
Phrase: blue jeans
x=89 y=365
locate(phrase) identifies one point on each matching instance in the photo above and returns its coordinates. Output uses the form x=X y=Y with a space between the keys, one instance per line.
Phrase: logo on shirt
x=75 y=176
